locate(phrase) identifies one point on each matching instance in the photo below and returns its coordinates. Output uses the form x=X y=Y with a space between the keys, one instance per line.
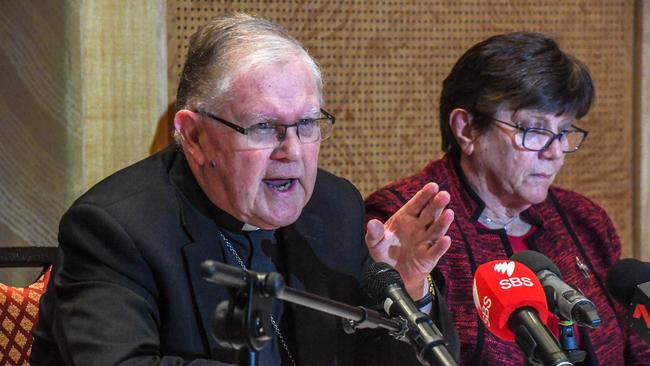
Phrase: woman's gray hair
x=229 y=45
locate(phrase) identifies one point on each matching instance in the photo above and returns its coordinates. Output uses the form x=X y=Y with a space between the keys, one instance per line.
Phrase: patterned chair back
x=19 y=305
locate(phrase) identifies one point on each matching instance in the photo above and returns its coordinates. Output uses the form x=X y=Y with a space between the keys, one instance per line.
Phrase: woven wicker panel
x=384 y=62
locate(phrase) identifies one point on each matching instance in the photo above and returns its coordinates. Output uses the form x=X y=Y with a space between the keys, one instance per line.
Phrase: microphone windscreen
x=536 y=261
x=378 y=277
x=623 y=278
x=502 y=287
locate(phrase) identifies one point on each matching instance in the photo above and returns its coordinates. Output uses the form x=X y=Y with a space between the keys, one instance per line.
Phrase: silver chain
x=505 y=225
x=276 y=328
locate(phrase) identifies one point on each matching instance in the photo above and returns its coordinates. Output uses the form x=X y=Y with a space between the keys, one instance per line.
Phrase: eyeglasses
x=540 y=139
x=270 y=135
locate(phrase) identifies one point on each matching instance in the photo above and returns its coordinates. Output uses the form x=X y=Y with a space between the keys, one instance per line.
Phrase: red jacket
x=570 y=228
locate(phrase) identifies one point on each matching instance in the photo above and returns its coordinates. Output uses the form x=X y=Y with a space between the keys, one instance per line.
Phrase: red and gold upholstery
x=18 y=316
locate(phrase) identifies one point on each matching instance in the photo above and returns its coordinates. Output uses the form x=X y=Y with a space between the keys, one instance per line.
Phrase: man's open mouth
x=280 y=185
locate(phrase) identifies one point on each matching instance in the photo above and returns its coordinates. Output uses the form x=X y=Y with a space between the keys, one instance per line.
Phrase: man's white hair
x=230 y=45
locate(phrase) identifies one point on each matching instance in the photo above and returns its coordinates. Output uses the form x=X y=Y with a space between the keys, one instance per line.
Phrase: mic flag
x=511 y=303
x=502 y=287
x=628 y=281
x=638 y=311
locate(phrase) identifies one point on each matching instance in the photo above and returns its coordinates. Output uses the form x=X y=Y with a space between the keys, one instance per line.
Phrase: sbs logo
x=505 y=267
x=485 y=310
x=515 y=282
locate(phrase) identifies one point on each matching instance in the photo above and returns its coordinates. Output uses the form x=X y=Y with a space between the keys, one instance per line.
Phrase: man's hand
x=413 y=239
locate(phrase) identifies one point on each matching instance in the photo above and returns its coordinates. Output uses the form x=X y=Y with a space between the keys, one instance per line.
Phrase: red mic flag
x=500 y=288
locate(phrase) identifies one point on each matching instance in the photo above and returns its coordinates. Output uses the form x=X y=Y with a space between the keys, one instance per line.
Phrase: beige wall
x=384 y=65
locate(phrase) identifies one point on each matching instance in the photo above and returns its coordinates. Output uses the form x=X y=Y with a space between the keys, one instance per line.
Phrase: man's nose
x=290 y=143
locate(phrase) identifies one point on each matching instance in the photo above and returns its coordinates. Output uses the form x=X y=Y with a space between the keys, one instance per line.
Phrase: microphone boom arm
x=356 y=317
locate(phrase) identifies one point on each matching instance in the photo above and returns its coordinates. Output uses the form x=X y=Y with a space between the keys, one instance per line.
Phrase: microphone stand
x=243 y=324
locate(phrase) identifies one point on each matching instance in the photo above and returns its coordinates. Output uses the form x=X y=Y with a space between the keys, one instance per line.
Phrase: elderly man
x=242 y=187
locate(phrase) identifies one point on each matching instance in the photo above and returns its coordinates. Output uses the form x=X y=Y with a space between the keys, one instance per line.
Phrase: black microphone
x=271 y=284
x=628 y=281
x=383 y=283
x=564 y=300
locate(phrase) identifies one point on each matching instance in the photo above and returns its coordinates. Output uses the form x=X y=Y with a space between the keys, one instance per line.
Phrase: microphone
x=511 y=303
x=384 y=283
x=628 y=281
x=562 y=299
x=270 y=284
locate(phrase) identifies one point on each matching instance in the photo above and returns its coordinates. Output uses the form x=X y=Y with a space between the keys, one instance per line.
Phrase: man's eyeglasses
x=540 y=139
x=270 y=135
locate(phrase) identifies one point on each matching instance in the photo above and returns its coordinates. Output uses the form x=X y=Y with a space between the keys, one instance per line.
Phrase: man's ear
x=188 y=125
x=460 y=123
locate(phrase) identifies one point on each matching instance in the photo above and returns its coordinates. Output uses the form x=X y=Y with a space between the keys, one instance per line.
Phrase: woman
x=507 y=113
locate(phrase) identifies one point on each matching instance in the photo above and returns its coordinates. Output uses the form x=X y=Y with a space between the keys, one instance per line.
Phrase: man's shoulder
x=146 y=177
x=334 y=196
x=325 y=177
x=328 y=184
x=140 y=201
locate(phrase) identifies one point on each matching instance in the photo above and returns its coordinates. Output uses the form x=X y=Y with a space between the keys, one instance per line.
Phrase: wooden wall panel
x=384 y=62
x=641 y=170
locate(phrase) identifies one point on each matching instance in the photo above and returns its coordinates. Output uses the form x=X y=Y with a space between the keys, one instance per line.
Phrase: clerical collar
x=184 y=179
x=249 y=227
x=230 y=223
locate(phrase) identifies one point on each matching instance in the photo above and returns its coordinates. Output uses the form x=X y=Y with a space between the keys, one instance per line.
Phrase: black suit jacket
x=129 y=288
